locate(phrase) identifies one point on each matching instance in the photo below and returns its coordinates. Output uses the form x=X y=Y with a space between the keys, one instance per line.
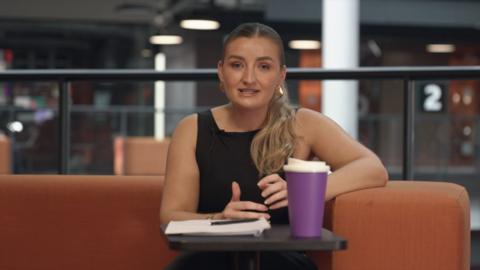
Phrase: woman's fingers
x=279 y=204
x=236 y=192
x=267 y=180
x=279 y=196
x=245 y=209
x=274 y=190
x=248 y=206
x=245 y=214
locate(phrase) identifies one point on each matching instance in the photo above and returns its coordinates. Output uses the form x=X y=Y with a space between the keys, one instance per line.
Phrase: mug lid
x=298 y=165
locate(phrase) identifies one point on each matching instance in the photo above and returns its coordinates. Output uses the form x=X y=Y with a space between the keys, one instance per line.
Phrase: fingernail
x=266 y=202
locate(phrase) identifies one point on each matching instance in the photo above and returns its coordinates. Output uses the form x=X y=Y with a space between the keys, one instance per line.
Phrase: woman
x=226 y=163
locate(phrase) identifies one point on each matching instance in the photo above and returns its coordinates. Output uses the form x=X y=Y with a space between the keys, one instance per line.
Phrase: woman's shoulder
x=185 y=134
x=310 y=123
x=189 y=120
x=305 y=115
x=187 y=125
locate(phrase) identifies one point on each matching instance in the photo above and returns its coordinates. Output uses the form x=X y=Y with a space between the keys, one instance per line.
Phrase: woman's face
x=251 y=72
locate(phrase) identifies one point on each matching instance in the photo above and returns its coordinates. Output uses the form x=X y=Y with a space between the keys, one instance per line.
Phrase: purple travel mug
x=306 y=185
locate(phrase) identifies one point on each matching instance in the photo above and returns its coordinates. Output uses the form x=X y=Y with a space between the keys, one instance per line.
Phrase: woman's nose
x=249 y=76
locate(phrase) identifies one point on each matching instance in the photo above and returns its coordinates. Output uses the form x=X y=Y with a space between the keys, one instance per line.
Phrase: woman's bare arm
x=354 y=166
x=181 y=187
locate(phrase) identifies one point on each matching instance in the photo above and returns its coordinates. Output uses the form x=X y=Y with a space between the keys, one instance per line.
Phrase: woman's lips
x=248 y=91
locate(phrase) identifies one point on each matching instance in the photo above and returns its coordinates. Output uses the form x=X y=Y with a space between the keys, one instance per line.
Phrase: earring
x=280 y=91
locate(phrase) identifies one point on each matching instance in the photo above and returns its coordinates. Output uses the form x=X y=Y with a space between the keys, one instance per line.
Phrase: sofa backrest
x=140 y=155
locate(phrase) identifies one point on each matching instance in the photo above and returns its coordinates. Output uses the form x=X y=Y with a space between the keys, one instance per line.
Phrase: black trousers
x=284 y=260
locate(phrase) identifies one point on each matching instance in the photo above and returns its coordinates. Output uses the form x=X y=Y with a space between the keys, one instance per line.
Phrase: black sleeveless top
x=224 y=157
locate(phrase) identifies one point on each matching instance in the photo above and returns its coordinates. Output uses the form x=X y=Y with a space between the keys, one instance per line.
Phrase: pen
x=233 y=221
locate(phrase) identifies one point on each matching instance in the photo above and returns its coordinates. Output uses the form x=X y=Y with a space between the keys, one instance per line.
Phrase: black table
x=247 y=248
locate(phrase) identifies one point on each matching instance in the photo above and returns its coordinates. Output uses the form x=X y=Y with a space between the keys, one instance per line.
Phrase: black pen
x=233 y=221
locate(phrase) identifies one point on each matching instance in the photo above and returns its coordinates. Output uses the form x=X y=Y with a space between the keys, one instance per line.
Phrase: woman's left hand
x=274 y=190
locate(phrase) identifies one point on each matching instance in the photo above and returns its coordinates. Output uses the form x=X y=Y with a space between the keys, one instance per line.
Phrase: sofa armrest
x=404 y=225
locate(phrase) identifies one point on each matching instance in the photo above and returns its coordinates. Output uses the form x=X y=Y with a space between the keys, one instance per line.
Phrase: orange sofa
x=5 y=155
x=140 y=155
x=57 y=222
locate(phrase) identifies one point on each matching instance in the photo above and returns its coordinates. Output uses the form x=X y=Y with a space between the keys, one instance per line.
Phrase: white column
x=340 y=42
x=159 y=125
x=180 y=95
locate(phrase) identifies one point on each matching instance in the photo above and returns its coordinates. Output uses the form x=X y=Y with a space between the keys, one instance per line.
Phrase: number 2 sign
x=432 y=97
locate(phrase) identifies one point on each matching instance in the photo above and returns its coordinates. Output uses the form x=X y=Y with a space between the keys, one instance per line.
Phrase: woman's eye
x=236 y=65
x=264 y=66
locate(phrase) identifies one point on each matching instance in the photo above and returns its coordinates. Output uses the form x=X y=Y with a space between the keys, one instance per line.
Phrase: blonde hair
x=275 y=142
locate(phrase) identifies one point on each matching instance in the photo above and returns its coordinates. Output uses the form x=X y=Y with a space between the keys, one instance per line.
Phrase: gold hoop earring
x=280 y=91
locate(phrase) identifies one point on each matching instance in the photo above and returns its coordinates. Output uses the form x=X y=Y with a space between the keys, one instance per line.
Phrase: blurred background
x=155 y=34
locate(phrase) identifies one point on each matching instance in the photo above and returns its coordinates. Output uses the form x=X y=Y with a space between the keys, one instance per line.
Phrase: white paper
x=204 y=227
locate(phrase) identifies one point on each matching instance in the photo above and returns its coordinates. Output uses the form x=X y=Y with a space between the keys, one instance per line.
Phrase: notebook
x=201 y=227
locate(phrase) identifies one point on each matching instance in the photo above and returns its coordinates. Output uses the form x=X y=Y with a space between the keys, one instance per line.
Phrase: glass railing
x=72 y=132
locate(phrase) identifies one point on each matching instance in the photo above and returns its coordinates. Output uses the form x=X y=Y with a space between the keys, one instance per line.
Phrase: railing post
x=408 y=128
x=64 y=126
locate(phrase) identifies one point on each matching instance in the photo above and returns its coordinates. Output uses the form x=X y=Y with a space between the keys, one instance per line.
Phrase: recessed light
x=440 y=48
x=304 y=44
x=200 y=24
x=166 y=39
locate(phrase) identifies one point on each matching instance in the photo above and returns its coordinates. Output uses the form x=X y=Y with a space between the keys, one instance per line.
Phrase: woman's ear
x=283 y=73
x=219 y=70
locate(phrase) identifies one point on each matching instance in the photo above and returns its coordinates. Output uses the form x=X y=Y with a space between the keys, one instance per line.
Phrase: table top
x=277 y=238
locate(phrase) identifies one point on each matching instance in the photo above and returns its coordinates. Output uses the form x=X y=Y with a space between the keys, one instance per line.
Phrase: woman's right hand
x=237 y=209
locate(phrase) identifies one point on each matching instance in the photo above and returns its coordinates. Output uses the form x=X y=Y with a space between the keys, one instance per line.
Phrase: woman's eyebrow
x=235 y=57
x=263 y=58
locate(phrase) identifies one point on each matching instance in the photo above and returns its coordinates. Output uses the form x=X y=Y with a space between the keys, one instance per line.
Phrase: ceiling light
x=304 y=44
x=440 y=48
x=200 y=24
x=166 y=39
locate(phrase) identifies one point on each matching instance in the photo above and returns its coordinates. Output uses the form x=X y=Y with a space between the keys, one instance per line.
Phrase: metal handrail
x=413 y=73
x=407 y=74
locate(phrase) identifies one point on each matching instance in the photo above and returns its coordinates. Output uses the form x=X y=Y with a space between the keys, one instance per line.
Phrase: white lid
x=298 y=165
x=292 y=161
